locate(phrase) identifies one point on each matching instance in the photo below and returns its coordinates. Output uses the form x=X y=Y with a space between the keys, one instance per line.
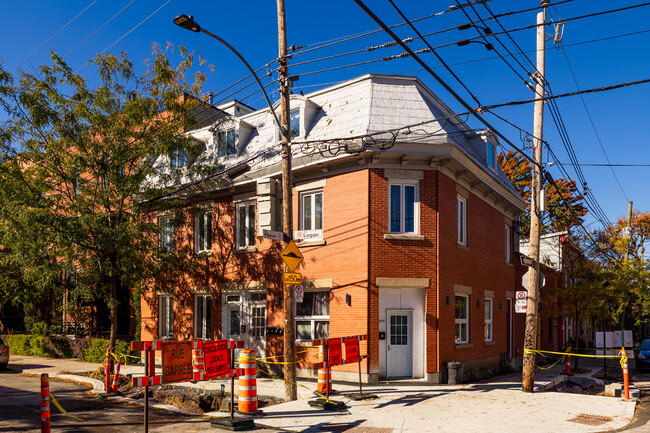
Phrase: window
x=462 y=319
x=488 y=319
x=226 y=142
x=507 y=243
x=491 y=154
x=313 y=316
x=202 y=317
x=177 y=159
x=311 y=211
x=245 y=225
x=203 y=231
x=166 y=236
x=461 y=208
x=403 y=207
x=294 y=123
x=166 y=316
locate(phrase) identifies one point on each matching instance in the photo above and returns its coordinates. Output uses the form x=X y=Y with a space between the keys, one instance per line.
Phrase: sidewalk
x=495 y=406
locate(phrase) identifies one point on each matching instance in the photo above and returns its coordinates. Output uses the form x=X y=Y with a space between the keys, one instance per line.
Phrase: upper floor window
x=461 y=210
x=202 y=317
x=166 y=235
x=177 y=159
x=245 y=225
x=311 y=210
x=294 y=123
x=226 y=141
x=507 y=233
x=403 y=207
x=491 y=154
x=203 y=231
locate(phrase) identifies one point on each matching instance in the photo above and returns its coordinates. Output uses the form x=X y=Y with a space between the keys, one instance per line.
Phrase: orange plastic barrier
x=247 y=401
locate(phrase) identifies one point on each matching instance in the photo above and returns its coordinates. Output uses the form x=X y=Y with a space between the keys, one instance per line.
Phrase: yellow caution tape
x=299 y=384
x=527 y=351
x=281 y=356
x=63 y=411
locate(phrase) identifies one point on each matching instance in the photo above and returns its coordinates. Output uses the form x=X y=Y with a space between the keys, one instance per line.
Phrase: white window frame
x=416 y=208
x=205 y=333
x=224 y=149
x=461 y=219
x=489 y=319
x=248 y=224
x=462 y=321
x=203 y=216
x=508 y=244
x=166 y=234
x=166 y=317
x=300 y=128
x=313 y=319
x=311 y=193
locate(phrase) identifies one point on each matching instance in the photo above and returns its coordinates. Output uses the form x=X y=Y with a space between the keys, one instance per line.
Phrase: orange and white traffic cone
x=568 y=361
x=45 y=403
x=109 y=366
x=247 y=399
x=116 y=378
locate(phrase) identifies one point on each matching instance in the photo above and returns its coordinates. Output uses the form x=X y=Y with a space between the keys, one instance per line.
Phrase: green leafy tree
x=558 y=217
x=73 y=160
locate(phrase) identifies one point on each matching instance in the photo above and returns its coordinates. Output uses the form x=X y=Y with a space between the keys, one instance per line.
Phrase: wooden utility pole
x=530 y=335
x=290 y=386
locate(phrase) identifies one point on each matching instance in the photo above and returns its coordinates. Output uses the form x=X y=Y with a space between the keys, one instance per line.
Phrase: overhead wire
x=54 y=35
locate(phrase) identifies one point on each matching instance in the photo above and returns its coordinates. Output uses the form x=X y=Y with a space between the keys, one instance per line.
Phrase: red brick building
x=410 y=226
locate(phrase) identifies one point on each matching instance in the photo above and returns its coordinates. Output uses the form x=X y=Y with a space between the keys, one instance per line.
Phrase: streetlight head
x=187 y=22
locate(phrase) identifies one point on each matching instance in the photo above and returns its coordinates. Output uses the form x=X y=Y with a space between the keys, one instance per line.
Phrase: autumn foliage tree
x=73 y=157
x=559 y=216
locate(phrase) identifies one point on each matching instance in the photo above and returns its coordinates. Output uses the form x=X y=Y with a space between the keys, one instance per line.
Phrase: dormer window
x=294 y=124
x=491 y=154
x=177 y=159
x=226 y=142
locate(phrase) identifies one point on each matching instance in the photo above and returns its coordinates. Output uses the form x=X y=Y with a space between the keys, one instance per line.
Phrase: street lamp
x=187 y=22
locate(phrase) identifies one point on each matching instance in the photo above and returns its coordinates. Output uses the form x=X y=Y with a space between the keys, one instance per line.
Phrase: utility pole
x=628 y=230
x=290 y=386
x=530 y=336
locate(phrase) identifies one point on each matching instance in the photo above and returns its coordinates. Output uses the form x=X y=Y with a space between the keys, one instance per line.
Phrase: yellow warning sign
x=291 y=256
x=292 y=278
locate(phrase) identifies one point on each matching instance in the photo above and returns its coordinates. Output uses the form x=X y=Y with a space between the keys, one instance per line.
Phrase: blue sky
x=619 y=116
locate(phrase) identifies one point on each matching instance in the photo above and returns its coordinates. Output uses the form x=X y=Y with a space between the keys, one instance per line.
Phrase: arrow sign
x=291 y=255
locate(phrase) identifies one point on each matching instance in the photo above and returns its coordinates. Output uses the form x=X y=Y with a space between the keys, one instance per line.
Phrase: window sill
x=245 y=250
x=510 y=264
x=404 y=237
x=203 y=253
x=491 y=343
x=312 y=243
x=463 y=247
x=303 y=343
x=464 y=346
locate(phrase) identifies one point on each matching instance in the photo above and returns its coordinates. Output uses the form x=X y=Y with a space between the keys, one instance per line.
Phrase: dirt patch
x=574 y=388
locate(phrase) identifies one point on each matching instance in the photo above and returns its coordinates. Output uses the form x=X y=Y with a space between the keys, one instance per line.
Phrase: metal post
x=326 y=357
x=360 y=389
x=232 y=383
x=146 y=394
x=530 y=336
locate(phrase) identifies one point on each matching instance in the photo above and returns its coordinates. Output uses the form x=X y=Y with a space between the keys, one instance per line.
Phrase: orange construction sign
x=177 y=361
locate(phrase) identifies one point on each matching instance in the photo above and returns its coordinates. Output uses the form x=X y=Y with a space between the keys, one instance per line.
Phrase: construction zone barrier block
x=146 y=380
x=247 y=401
x=324 y=380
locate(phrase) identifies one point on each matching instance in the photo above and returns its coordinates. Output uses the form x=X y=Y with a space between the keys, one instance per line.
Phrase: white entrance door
x=244 y=319
x=399 y=343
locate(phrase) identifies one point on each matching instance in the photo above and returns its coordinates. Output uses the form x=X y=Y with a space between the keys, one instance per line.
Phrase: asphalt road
x=20 y=410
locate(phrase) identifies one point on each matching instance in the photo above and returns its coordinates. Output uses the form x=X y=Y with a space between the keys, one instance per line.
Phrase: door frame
x=245 y=305
x=410 y=335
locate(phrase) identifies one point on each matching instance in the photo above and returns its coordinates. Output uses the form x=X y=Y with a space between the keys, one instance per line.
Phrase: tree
x=558 y=217
x=74 y=158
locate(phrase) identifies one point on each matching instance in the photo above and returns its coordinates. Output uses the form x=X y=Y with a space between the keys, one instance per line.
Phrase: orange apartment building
x=409 y=223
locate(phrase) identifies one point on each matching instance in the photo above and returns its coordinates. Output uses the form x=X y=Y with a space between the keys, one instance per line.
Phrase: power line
x=99 y=28
x=56 y=33
x=606 y=165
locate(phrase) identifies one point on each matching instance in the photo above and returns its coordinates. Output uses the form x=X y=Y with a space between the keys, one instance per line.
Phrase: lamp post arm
x=275 y=117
